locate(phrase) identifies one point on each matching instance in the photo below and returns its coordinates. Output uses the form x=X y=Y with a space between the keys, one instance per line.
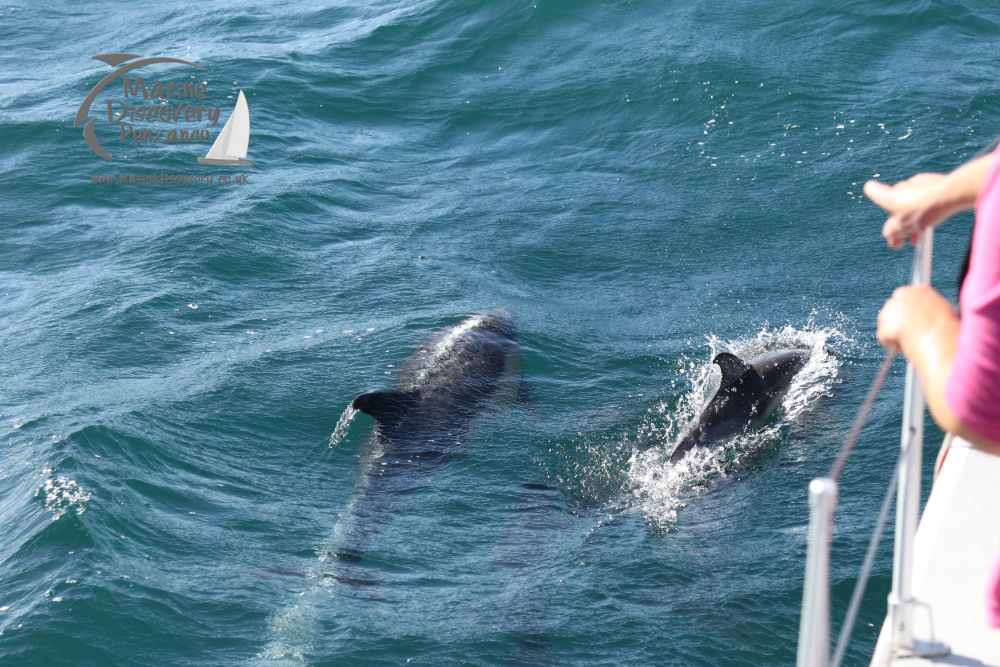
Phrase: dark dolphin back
x=736 y=401
x=737 y=375
x=778 y=368
x=453 y=372
x=445 y=381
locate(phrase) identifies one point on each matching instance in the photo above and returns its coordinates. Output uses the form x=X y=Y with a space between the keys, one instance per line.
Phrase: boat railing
x=814 y=628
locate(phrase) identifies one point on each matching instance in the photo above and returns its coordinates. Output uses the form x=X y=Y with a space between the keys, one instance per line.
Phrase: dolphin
x=451 y=378
x=748 y=395
x=437 y=392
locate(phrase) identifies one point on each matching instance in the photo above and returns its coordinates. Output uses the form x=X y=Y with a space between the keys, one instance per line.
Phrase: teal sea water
x=643 y=183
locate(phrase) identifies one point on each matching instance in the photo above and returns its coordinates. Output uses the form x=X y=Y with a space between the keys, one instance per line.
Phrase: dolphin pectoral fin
x=732 y=367
x=534 y=486
x=388 y=407
x=352 y=581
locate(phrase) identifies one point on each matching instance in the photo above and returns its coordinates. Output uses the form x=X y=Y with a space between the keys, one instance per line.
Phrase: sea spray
x=340 y=430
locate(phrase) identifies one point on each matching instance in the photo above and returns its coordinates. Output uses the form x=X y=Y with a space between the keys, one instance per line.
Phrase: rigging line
x=859 y=421
x=866 y=567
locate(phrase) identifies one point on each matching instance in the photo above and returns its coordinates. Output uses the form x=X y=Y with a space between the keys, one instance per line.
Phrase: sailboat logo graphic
x=231 y=145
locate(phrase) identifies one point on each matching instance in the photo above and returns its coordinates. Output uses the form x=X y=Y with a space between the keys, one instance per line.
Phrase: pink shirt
x=973 y=389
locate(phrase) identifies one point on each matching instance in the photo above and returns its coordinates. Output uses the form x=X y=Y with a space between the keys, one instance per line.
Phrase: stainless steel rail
x=908 y=495
x=814 y=626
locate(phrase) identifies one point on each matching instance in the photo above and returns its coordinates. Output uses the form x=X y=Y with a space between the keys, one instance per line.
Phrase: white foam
x=62 y=494
x=443 y=346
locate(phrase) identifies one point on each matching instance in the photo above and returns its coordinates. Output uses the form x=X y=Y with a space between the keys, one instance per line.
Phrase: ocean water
x=643 y=183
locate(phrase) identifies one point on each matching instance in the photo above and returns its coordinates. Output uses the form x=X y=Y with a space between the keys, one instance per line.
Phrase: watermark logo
x=171 y=102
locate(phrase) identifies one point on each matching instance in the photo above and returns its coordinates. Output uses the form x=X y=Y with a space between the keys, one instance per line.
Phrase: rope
x=866 y=567
x=859 y=421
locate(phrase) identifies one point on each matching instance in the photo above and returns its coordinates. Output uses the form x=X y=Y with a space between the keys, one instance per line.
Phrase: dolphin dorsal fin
x=732 y=367
x=388 y=407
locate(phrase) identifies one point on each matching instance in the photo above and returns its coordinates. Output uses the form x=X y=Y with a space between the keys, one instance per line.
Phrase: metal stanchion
x=814 y=626
x=901 y=601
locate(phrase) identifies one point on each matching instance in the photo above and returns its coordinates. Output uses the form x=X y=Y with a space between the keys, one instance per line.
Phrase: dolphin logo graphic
x=113 y=59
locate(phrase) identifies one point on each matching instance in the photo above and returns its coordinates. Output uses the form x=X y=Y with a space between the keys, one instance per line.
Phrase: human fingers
x=885 y=198
x=890 y=323
x=910 y=313
x=882 y=195
x=895 y=230
x=906 y=224
x=887 y=337
x=896 y=242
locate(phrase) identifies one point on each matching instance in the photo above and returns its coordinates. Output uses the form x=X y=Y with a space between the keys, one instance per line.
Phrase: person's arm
x=926 y=200
x=920 y=323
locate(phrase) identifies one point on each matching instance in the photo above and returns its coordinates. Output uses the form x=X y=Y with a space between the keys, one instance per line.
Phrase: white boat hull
x=224 y=161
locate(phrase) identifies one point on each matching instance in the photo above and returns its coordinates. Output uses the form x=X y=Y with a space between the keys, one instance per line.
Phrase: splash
x=340 y=430
x=62 y=494
x=657 y=488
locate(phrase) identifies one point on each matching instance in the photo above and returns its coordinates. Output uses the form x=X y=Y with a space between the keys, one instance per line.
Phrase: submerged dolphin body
x=747 y=396
x=438 y=390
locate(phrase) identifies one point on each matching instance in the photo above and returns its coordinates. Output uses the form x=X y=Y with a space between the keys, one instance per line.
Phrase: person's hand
x=911 y=313
x=913 y=205
x=926 y=200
